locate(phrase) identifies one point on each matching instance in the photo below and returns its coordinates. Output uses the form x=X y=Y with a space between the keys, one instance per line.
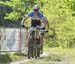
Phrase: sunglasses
x=36 y=10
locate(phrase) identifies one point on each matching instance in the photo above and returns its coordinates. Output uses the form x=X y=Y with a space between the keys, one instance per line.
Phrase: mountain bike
x=34 y=44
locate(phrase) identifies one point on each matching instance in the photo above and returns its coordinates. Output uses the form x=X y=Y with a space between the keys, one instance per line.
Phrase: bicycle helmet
x=35 y=7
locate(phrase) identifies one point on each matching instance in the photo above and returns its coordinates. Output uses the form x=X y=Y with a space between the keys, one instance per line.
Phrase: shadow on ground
x=52 y=57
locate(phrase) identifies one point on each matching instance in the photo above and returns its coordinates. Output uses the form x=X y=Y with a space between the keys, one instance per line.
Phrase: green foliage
x=60 y=14
x=11 y=16
x=6 y=58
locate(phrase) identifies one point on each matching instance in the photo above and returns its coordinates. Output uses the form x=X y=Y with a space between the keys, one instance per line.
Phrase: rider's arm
x=47 y=24
x=45 y=20
x=24 y=19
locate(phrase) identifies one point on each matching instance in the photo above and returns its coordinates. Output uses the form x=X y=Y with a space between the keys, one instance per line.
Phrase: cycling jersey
x=34 y=23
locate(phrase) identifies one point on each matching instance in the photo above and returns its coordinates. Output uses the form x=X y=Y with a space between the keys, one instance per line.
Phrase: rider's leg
x=42 y=42
x=42 y=39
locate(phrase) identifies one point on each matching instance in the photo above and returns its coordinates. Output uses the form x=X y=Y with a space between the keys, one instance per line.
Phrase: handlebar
x=34 y=28
x=44 y=31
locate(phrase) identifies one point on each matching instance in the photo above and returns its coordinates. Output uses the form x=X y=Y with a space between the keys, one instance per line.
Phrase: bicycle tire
x=41 y=48
x=37 y=49
x=30 y=48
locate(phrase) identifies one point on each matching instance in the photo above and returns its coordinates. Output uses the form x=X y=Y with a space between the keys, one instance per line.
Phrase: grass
x=56 y=56
x=6 y=58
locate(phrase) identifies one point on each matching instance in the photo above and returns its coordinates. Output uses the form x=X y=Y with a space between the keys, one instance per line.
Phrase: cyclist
x=36 y=17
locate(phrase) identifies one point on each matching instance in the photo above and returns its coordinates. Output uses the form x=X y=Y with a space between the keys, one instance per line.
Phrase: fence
x=13 y=40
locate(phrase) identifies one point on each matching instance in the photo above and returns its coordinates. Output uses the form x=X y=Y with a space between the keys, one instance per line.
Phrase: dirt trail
x=26 y=60
x=55 y=59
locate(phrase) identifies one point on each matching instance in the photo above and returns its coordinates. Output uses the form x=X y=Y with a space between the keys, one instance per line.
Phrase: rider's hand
x=23 y=26
x=46 y=31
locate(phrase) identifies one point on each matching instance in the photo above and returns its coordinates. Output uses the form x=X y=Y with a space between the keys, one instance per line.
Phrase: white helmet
x=35 y=7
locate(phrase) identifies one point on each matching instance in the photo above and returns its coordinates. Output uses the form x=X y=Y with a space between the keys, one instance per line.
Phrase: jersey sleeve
x=30 y=14
x=41 y=15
